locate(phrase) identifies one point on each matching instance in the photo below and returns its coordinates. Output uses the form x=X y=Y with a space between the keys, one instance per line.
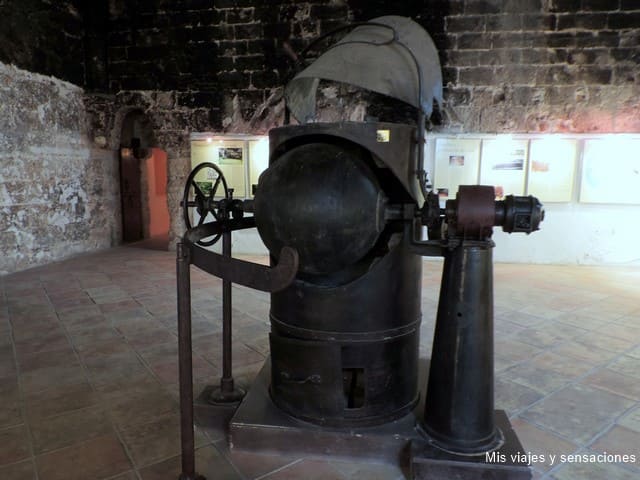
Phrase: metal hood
x=391 y=55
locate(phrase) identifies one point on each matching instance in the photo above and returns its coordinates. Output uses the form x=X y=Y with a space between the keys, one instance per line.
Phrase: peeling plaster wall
x=58 y=194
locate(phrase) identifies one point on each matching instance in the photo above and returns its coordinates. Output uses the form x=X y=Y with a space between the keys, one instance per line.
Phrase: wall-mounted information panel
x=504 y=163
x=557 y=168
x=552 y=167
x=457 y=161
x=611 y=171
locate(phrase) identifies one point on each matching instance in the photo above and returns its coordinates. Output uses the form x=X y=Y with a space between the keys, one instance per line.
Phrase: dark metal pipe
x=227 y=393
x=459 y=407
x=226 y=383
x=185 y=364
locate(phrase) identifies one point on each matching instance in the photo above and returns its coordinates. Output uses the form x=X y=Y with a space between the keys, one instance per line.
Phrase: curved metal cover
x=388 y=69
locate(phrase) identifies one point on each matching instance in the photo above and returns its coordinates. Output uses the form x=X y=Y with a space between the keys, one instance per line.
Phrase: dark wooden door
x=130 y=195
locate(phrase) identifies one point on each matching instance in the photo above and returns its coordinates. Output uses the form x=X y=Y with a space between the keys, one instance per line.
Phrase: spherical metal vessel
x=322 y=200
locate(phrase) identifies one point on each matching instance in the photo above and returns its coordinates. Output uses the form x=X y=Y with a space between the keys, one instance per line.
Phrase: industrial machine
x=342 y=208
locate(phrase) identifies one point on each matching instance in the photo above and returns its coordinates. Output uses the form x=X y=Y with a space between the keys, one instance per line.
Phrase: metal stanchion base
x=223 y=396
x=184 y=476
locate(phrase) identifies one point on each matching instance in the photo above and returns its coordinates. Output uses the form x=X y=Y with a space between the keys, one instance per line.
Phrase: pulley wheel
x=204 y=188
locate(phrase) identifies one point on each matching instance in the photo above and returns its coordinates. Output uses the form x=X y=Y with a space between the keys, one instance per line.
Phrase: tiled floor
x=88 y=369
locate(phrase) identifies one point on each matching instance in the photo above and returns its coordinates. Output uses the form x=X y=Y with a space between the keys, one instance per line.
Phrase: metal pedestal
x=259 y=426
x=429 y=462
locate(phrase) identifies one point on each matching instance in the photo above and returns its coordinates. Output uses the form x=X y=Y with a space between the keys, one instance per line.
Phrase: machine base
x=259 y=426
x=429 y=462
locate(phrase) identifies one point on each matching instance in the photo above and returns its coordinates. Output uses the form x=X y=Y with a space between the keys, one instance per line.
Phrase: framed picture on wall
x=552 y=167
x=611 y=171
x=230 y=155
x=503 y=165
x=456 y=163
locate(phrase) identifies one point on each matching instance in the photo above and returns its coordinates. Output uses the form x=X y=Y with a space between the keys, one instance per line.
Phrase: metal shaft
x=226 y=383
x=185 y=363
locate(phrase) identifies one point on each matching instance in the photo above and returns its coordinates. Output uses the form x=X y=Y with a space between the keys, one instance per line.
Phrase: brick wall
x=509 y=65
x=542 y=65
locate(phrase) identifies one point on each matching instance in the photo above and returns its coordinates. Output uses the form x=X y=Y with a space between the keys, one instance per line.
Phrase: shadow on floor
x=160 y=242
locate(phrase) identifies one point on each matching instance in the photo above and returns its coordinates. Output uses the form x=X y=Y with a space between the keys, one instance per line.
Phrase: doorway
x=143 y=185
x=130 y=196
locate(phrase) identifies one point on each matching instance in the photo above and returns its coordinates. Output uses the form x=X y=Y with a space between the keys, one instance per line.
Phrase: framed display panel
x=241 y=158
x=456 y=163
x=504 y=163
x=552 y=167
x=611 y=171
x=259 y=154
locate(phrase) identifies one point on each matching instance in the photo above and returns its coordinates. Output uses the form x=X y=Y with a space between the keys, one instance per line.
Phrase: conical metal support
x=459 y=414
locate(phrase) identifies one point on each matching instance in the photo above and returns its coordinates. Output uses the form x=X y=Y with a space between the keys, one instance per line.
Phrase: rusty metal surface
x=396 y=58
x=249 y=274
x=475 y=211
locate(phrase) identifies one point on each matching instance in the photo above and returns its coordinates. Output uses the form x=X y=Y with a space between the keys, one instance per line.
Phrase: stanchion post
x=187 y=441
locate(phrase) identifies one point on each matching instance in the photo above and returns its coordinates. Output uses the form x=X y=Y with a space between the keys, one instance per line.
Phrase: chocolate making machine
x=342 y=208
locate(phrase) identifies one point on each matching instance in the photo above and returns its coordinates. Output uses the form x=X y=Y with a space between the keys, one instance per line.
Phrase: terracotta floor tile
x=15 y=444
x=631 y=419
x=542 y=380
x=595 y=471
x=70 y=428
x=138 y=408
x=160 y=353
x=622 y=441
x=605 y=341
x=561 y=364
x=577 y=412
x=84 y=339
x=61 y=399
x=128 y=476
x=151 y=442
x=148 y=338
x=309 y=469
x=47 y=378
x=63 y=357
x=585 y=352
x=252 y=465
x=513 y=397
x=18 y=471
x=614 y=382
x=543 y=443
x=166 y=469
x=212 y=464
x=95 y=459
x=627 y=365
x=10 y=408
x=44 y=343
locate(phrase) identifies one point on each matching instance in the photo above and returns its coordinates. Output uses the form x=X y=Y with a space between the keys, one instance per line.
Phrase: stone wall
x=58 y=194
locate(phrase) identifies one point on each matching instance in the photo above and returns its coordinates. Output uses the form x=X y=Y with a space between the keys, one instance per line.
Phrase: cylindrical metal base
x=459 y=413
x=347 y=354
